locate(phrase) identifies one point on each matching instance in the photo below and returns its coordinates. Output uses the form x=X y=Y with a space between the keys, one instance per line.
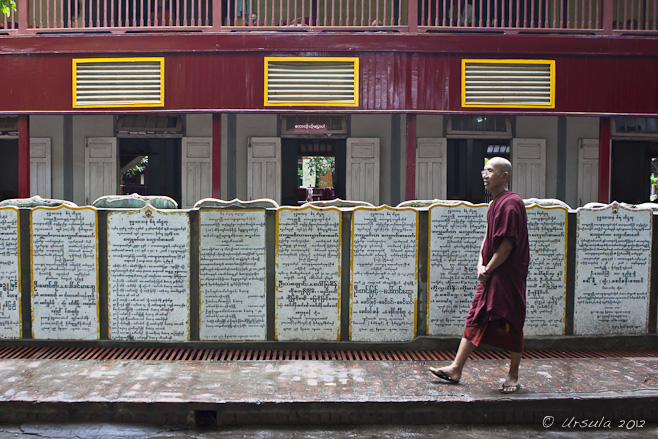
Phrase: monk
x=498 y=310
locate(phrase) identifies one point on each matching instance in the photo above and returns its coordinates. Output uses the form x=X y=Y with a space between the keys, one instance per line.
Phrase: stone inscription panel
x=64 y=273
x=10 y=293
x=148 y=256
x=547 y=280
x=384 y=287
x=232 y=275
x=308 y=274
x=613 y=254
x=456 y=234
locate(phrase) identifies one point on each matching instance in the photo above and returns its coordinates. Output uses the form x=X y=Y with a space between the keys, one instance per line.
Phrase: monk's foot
x=510 y=385
x=446 y=374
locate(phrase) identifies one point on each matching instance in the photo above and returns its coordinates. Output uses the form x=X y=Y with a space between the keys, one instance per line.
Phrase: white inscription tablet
x=232 y=275
x=384 y=278
x=10 y=288
x=308 y=253
x=148 y=253
x=64 y=273
x=546 y=285
x=613 y=260
x=456 y=234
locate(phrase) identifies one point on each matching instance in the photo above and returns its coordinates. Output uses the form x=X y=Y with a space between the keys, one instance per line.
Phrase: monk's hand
x=483 y=275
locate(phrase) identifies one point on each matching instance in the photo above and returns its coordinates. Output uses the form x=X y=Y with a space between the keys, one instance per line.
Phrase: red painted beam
x=604 y=160
x=23 y=156
x=440 y=43
x=410 y=191
x=217 y=155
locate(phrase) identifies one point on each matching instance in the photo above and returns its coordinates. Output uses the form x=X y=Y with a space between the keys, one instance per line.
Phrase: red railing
x=563 y=16
x=589 y=16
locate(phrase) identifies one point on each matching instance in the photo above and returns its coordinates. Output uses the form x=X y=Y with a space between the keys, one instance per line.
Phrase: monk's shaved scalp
x=501 y=164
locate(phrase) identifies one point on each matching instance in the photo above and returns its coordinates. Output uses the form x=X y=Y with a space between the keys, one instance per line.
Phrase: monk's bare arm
x=500 y=255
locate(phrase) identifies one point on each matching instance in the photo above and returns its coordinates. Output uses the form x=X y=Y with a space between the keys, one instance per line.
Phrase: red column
x=604 y=160
x=217 y=155
x=412 y=14
x=24 y=156
x=23 y=11
x=410 y=191
x=607 y=17
x=217 y=15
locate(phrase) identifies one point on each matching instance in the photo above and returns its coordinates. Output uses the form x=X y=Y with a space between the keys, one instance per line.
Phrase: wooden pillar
x=410 y=186
x=217 y=15
x=412 y=15
x=24 y=156
x=23 y=11
x=607 y=17
x=217 y=155
x=604 y=160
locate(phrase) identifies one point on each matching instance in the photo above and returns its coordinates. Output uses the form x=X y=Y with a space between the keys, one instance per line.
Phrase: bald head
x=501 y=165
x=496 y=175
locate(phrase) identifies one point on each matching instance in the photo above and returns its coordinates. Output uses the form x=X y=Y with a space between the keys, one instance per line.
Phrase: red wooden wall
x=399 y=73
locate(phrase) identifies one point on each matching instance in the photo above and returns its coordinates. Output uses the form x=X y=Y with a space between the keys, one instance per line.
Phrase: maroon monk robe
x=498 y=310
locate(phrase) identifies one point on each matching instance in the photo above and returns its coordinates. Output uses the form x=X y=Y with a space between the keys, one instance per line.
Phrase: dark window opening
x=633 y=166
x=150 y=166
x=466 y=159
x=313 y=170
x=9 y=169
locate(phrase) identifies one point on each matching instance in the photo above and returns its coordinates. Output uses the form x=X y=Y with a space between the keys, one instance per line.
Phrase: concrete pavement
x=568 y=393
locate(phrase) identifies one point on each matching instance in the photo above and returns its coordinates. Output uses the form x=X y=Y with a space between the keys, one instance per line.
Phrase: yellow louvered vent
x=130 y=82
x=508 y=83
x=312 y=81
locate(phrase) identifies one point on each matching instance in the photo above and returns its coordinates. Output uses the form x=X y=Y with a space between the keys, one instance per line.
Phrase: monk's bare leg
x=512 y=378
x=454 y=370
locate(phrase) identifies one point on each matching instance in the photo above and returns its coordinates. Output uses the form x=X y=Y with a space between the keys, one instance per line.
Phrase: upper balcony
x=593 y=17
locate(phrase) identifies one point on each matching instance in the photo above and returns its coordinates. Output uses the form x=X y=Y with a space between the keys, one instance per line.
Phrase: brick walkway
x=324 y=392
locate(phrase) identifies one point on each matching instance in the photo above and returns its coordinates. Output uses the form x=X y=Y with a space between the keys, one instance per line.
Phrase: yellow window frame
x=550 y=63
x=74 y=72
x=353 y=103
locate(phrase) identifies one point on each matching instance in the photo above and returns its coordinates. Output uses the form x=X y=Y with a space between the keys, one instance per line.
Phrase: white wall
x=198 y=125
x=429 y=126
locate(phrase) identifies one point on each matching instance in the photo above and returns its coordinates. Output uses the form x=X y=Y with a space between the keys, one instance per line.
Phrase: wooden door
x=101 y=167
x=431 y=179
x=264 y=168
x=588 y=171
x=362 y=173
x=529 y=167
x=40 y=167
x=196 y=172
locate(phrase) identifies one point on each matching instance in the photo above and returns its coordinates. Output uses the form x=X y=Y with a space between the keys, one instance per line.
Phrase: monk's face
x=495 y=176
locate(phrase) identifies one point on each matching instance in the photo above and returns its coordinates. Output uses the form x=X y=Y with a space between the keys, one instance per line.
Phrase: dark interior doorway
x=299 y=155
x=466 y=161
x=150 y=166
x=8 y=169
x=630 y=180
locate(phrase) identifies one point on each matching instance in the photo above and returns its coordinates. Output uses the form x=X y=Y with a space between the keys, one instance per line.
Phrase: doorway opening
x=150 y=166
x=466 y=159
x=634 y=171
x=9 y=169
x=313 y=170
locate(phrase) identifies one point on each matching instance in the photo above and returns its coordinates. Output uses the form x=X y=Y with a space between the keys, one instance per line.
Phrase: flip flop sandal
x=512 y=388
x=442 y=375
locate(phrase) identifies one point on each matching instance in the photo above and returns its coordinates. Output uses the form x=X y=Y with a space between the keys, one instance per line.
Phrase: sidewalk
x=328 y=392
